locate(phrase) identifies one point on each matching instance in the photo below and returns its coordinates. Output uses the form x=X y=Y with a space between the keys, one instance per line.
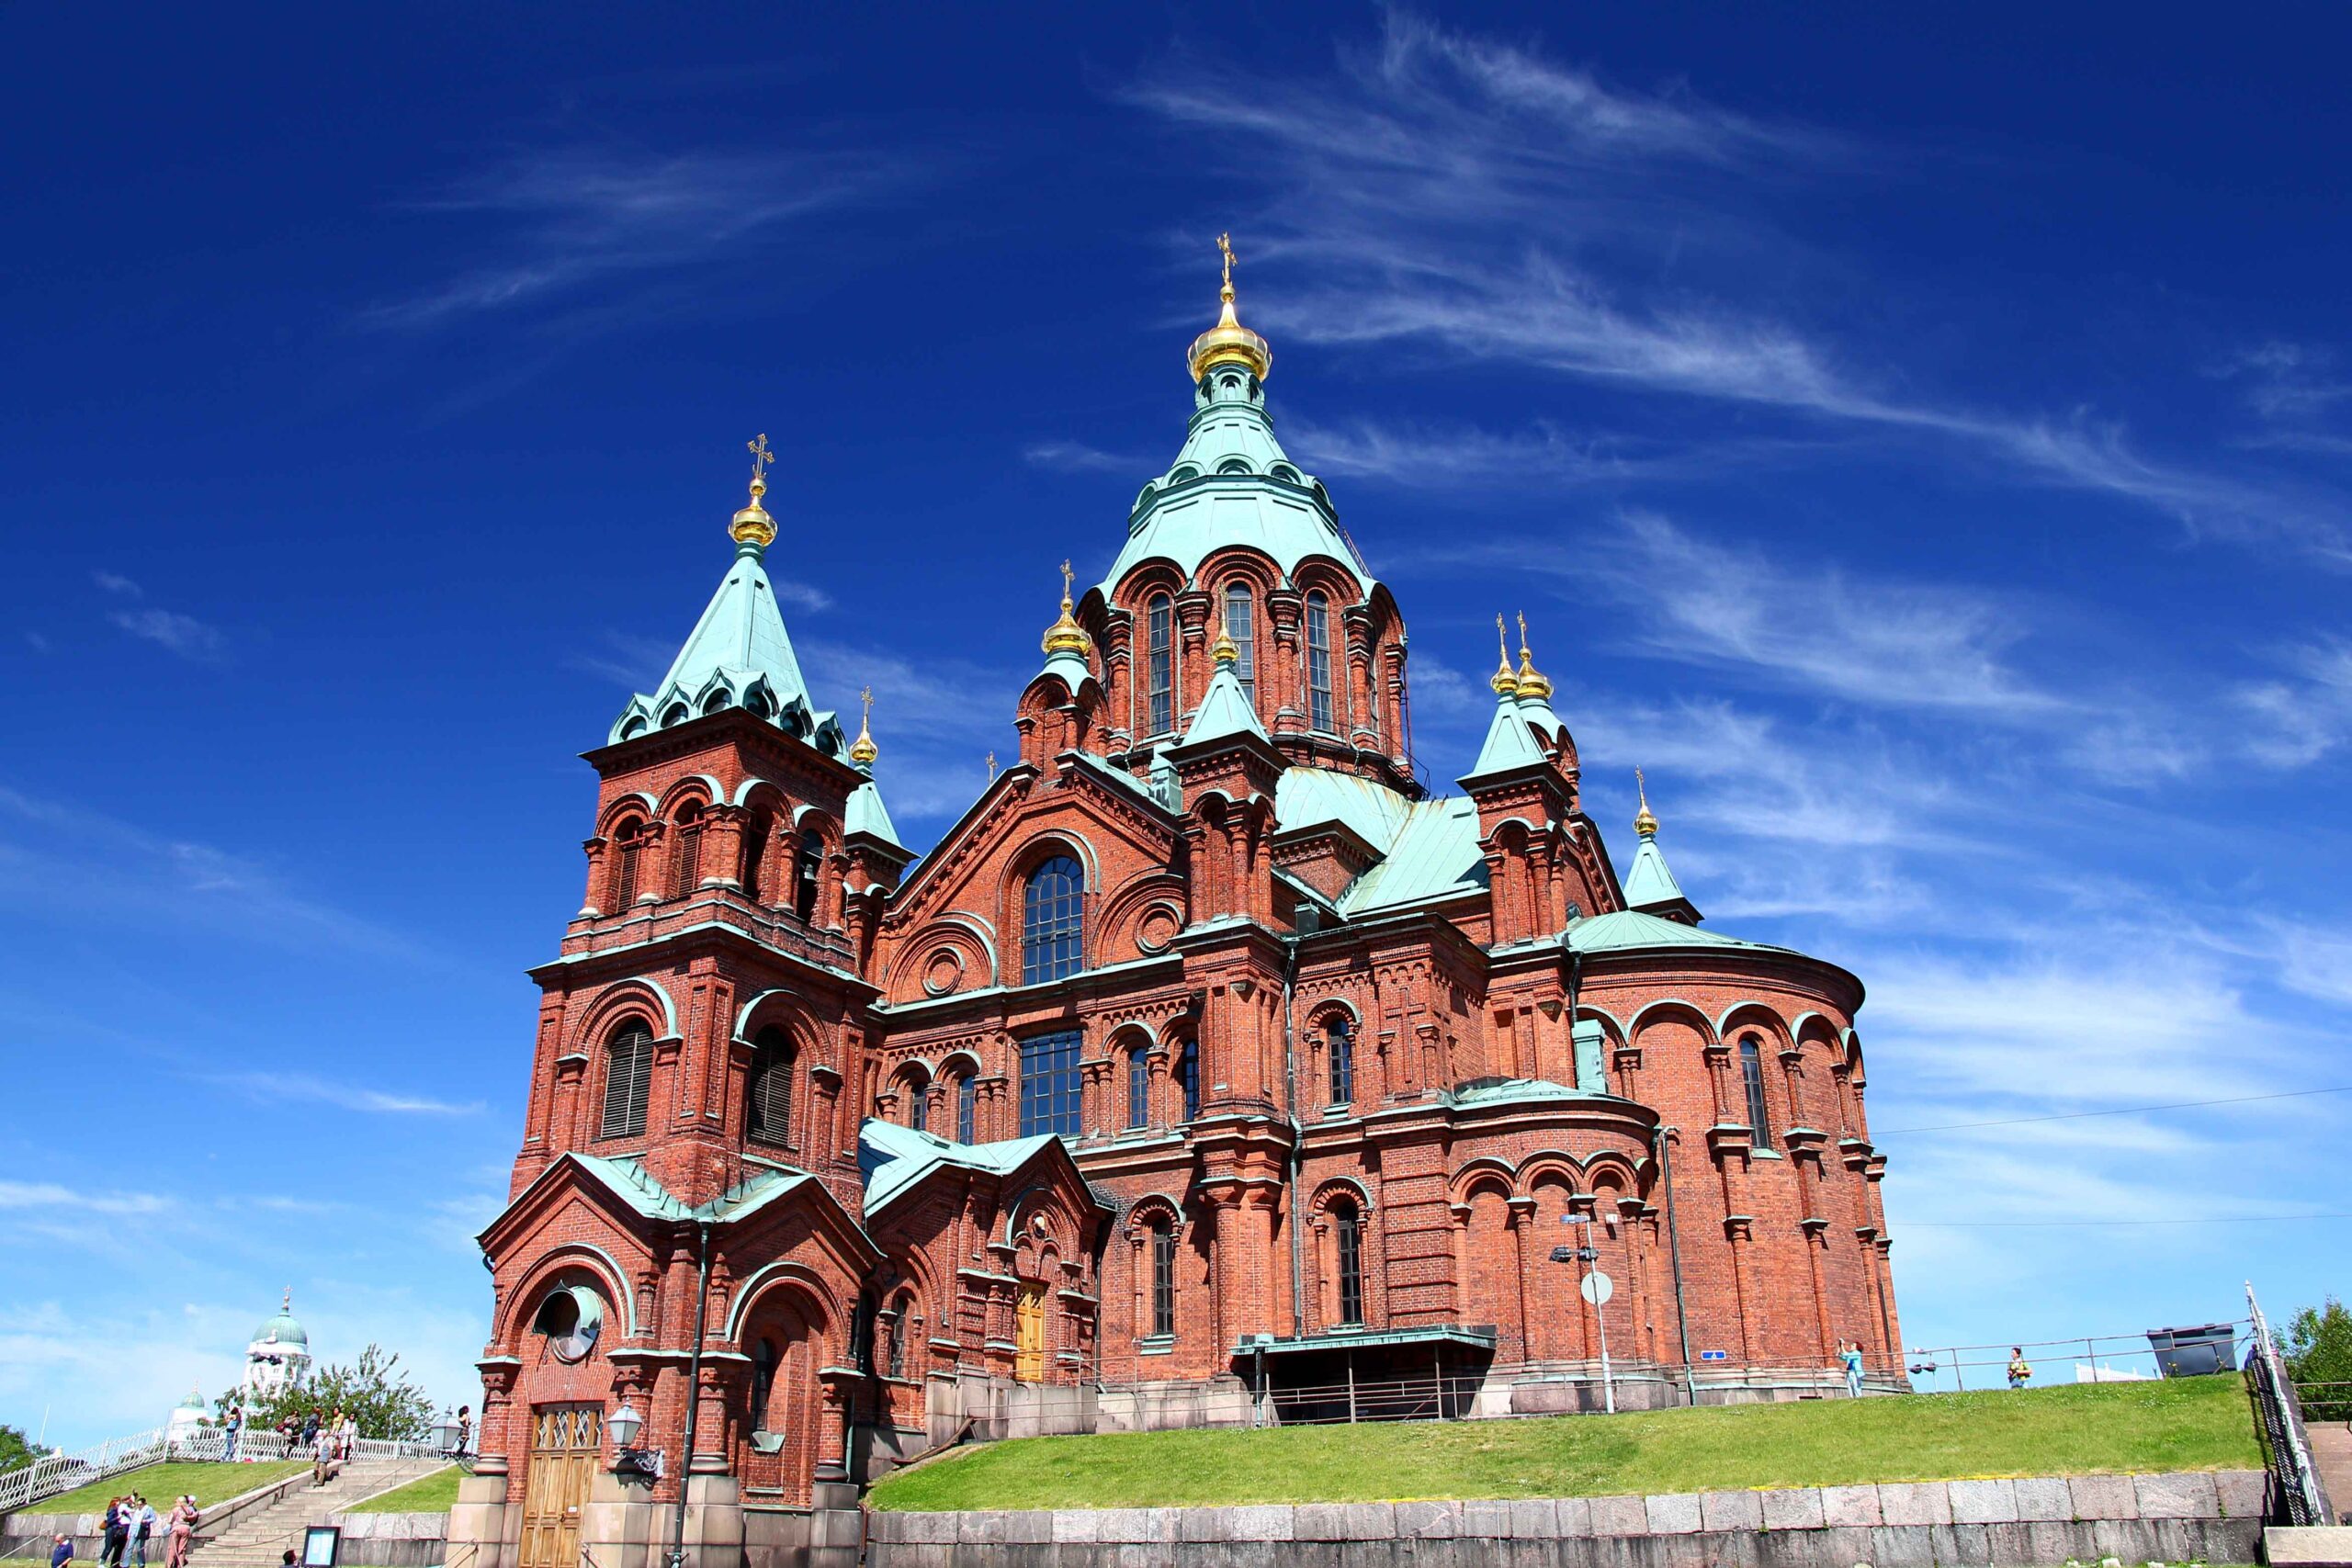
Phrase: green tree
x=2319 y=1360
x=384 y=1400
x=16 y=1450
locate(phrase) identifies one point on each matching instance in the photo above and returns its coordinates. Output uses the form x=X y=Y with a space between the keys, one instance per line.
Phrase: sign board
x=1714 y=1355
x=1598 y=1288
x=320 y=1544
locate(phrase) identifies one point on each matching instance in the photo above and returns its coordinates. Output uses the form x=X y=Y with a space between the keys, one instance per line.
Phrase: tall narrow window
x=1751 y=1075
x=1052 y=921
x=685 y=852
x=1163 y=1276
x=1050 y=1083
x=968 y=1107
x=755 y=854
x=1160 y=672
x=629 y=863
x=1347 y=1246
x=628 y=1078
x=762 y=1379
x=1241 y=625
x=769 y=1119
x=918 y=1105
x=808 y=866
x=1188 y=1077
x=894 y=1351
x=1319 y=661
x=1341 y=1053
x=1138 y=1087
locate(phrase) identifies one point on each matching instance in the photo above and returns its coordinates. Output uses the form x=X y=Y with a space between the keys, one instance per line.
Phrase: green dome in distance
x=283 y=1328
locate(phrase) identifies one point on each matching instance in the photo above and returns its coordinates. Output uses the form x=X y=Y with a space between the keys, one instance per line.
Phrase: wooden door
x=1029 y=1336
x=565 y=1442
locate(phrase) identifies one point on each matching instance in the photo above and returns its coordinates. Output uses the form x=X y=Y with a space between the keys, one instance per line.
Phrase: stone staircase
x=259 y=1536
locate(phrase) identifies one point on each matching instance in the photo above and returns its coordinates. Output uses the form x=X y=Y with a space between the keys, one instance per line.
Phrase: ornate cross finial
x=1066 y=581
x=1502 y=640
x=992 y=767
x=863 y=751
x=1522 y=634
x=1505 y=680
x=866 y=695
x=760 y=459
x=1224 y=244
x=1645 y=823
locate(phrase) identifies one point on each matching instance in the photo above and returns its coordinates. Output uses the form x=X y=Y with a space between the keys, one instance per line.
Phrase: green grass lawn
x=159 y=1484
x=2191 y=1424
x=432 y=1494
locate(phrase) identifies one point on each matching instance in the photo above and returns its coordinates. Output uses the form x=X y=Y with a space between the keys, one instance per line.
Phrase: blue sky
x=1921 y=441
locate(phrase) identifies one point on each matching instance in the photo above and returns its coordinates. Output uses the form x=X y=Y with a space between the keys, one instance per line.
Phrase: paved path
x=261 y=1536
x=2332 y=1452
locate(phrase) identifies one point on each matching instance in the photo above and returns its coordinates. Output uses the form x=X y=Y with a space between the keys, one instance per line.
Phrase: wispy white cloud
x=1077 y=456
x=2284 y=380
x=307 y=1088
x=1479 y=200
x=48 y=1197
x=568 y=218
x=115 y=583
x=182 y=634
x=2296 y=723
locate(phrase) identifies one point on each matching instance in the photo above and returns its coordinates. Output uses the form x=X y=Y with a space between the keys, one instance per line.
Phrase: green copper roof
x=865 y=814
x=1649 y=883
x=1225 y=711
x=1308 y=797
x=630 y=1183
x=1627 y=928
x=1510 y=744
x=1232 y=484
x=1512 y=1091
x=1429 y=849
x=738 y=655
x=893 y=1158
x=283 y=1329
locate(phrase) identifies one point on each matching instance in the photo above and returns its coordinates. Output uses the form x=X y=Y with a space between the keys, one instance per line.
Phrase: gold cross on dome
x=866 y=696
x=1065 y=581
x=760 y=459
x=1224 y=244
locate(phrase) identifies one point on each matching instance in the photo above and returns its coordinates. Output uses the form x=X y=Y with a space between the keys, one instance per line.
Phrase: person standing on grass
x=61 y=1554
x=2020 y=1370
x=116 y=1535
x=182 y=1527
x=236 y=1424
x=1850 y=1355
x=143 y=1524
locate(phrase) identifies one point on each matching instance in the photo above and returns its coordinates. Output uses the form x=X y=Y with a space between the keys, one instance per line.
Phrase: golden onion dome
x=752 y=525
x=1225 y=650
x=1505 y=680
x=1533 y=683
x=1643 y=823
x=1229 y=341
x=1066 y=636
x=863 y=751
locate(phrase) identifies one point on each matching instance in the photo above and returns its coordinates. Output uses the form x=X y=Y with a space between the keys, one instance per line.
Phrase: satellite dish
x=571 y=1317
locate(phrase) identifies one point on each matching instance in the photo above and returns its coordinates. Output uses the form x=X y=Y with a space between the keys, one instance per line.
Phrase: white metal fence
x=58 y=1472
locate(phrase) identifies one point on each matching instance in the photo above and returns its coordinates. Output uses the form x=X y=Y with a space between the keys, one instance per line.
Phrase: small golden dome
x=1225 y=650
x=863 y=751
x=752 y=525
x=1229 y=341
x=1066 y=636
x=1533 y=684
x=1504 y=680
x=1643 y=823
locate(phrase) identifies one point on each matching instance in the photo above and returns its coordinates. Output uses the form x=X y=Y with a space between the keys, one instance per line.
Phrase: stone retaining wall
x=392 y=1540
x=2215 y=1516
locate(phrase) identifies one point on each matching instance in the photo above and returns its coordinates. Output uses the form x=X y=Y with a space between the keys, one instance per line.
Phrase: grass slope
x=159 y=1484
x=2192 y=1424
x=434 y=1494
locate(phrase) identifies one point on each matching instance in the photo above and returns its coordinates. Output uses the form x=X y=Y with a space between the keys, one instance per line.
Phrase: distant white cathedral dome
x=279 y=1354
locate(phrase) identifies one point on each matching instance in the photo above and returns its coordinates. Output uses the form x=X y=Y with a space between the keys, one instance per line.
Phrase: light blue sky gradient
x=1920 y=442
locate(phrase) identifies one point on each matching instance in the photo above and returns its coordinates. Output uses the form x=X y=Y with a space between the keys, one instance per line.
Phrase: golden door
x=1029 y=1333
x=565 y=1439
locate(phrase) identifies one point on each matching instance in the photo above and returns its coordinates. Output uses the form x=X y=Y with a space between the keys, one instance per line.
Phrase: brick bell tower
x=698 y=1079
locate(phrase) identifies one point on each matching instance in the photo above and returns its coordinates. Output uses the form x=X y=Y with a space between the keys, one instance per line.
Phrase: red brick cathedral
x=1211 y=1068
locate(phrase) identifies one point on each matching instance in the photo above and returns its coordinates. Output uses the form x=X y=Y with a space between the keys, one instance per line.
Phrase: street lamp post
x=1595 y=1288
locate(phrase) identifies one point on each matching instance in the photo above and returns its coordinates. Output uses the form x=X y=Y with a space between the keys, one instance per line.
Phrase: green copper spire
x=1650 y=887
x=738 y=654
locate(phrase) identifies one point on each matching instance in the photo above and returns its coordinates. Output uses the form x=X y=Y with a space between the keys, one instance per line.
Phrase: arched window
x=1751 y=1077
x=967 y=1106
x=755 y=854
x=894 y=1353
x=806 y=867
x=1163 y=1277
x=1341 y=1059
x=1188 y=1077
x=1319 y=661
x=1050 y=1083
x=1160 y=664
x=628 y=1079
x=1138 y=1087
x=917 y=1104
x=1347 y=1257
x=717 y=701
x=629 y=864
x=1052 y=921
x=769 y=1119
x=762 y=1381
x=685 y=851
x=1241 y=625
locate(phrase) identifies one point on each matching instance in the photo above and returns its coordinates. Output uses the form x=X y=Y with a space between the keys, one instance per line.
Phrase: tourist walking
x=1850 y=1355
x=2020 y=1370
x=465 y=1426
x=183 y=1527
x=116 y=1535
x=143 y=1526
x=349 y=1429
x=310 y=1428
